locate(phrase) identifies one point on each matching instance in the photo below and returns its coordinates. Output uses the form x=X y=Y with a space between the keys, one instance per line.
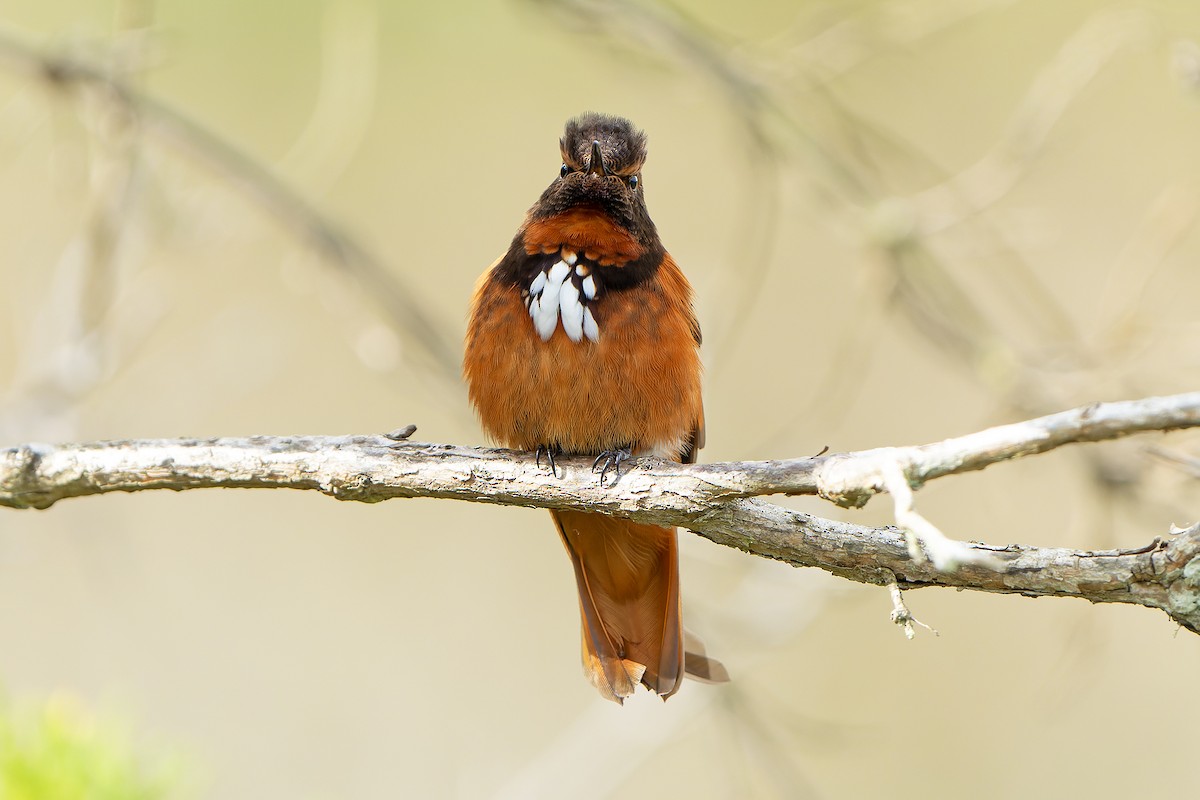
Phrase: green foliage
x=60 y=752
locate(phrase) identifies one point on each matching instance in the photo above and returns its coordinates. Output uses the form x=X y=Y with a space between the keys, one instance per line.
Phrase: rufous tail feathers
x=628 y=578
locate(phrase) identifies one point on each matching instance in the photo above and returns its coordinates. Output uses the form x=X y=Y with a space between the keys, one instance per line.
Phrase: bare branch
x=840 y=477
x=379 y=469
x=715 y=500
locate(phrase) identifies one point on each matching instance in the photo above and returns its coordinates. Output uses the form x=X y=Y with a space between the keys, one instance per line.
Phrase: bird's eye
x=562 y=173
x=633 y=181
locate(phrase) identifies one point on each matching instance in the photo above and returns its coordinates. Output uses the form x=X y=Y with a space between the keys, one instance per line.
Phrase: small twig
x=1186 y=463
x=400 y=434
x=922 y=536
x=902 y=616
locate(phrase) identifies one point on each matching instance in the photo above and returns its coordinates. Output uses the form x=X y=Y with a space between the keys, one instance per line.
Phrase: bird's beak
x=596 y=167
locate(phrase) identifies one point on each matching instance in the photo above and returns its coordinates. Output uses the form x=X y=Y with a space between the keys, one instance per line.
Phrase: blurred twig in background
x=85 y=328
x=144 y=118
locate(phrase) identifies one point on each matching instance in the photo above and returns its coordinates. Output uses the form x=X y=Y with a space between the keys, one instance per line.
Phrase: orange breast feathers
x=583 y=230
x=637 y=385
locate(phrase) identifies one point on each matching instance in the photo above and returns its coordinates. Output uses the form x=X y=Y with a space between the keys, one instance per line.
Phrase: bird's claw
x=549 y=451
x=611 y=460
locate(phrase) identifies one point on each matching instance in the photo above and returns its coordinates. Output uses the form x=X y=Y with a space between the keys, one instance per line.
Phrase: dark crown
x=623 y=146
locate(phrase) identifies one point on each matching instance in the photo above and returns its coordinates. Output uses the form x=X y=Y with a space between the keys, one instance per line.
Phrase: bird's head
x=602 y=159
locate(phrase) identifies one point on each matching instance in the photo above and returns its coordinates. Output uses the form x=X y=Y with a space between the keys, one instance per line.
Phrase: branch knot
x=20 y=475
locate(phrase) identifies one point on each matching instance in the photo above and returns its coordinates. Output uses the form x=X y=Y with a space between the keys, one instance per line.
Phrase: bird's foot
x=549 y=451
x=611 y=460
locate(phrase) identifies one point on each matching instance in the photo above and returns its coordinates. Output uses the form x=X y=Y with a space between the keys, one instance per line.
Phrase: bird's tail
x=628 y=577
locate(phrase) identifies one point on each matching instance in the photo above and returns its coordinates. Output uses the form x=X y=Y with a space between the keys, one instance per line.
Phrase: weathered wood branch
x=718 y=501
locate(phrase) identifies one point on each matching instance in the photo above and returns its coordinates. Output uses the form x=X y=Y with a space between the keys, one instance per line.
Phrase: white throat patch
x=563 y=292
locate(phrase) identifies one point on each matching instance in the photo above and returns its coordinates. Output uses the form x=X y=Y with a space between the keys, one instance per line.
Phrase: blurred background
x=905 y=220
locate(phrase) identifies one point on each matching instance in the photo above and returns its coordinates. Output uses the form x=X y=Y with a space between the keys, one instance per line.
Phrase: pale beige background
x=295 y=647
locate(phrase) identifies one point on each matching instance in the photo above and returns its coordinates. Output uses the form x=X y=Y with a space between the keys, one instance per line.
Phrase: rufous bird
x=582 y=340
